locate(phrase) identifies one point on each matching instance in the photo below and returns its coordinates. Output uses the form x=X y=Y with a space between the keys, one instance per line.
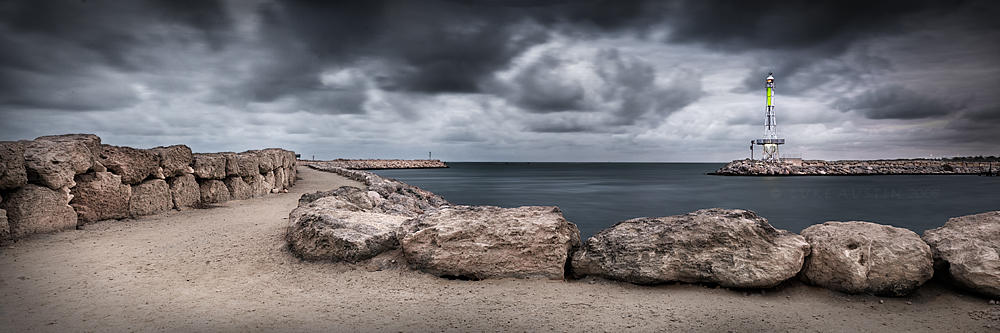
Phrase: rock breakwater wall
x=727 y=247
x=59 y=182
x=854 y=167
x=380 y=164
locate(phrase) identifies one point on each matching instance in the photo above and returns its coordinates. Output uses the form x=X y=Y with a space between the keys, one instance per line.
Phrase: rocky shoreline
x=60 y=182
x=394 y=222
x=749 y=167
x=380 y=164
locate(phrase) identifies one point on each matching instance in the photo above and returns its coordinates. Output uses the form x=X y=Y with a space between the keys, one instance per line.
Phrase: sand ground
x=226 y=269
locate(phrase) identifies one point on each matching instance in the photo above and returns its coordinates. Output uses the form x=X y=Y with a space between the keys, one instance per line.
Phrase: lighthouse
x=770 y=141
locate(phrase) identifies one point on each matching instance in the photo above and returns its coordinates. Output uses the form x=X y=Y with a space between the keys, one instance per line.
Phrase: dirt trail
x=226 y=269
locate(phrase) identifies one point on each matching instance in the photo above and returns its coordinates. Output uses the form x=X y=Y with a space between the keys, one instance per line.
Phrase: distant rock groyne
x=855 y=167
x=380 y=164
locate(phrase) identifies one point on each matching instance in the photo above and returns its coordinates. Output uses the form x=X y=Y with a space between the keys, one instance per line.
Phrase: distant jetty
x=857 y=167
x=381 y=164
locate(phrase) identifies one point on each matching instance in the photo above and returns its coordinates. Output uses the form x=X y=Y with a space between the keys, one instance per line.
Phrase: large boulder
x=279 y=178
x=53 y=163
x=270 y=180
x=175 y=160
x=968 y=248
x=93 y=142
x=864 y=257
x=150 y=197
x=242 y=164
x=134 y=165
x=184 y=191
x=35 y=209
x=12 y=172
x=100 y=196
x=480 y=242
x=209 y=166
x=258 y=185
x=213 y=191
x=238 y=189
x=4 y=227
x=266 y=160
x=729 y=247
x=321 y=230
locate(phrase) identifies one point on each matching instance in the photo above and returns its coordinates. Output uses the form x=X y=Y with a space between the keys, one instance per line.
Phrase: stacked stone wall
x=59 y=182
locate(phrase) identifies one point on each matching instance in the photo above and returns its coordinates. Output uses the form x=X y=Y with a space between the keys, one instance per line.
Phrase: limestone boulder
x=402 y=198
x=349 y=198
x=209 y=166
x=257 y=185
x=480 y=242
x=150 y=197
x=175 y=160
x=279 y=179
x=968 y=249
x=864 y=257
x=12 y=172
x=184 y=191
x=4 y=227
x=270 y=179
x=320 y=230
x=265 y=160
x=133 y=165
x=729 y=247
x=93 y=142
x=53 y=163
x=238 y=189
x=35 y=209
x=213 y=191
x=242 y=164
x=100 y=196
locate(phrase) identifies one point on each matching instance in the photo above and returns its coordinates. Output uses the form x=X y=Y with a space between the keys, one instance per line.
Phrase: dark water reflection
x=597 y=195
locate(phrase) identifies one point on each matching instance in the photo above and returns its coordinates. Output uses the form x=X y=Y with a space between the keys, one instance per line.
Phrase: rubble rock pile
x=58 y=182
x=854 y=167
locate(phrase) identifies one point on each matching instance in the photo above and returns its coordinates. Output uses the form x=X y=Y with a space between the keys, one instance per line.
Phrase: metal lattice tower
x=770 y=141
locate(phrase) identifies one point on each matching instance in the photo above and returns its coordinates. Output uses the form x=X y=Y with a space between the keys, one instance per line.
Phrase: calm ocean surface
x=597 y=195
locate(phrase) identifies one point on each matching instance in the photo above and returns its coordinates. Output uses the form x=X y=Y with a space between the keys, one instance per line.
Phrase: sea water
x=598 y=195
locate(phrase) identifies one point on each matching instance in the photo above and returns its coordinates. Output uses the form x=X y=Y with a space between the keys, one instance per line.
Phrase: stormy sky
x=509 y=80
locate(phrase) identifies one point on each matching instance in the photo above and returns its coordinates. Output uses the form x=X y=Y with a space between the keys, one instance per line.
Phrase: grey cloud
x=61 y=54
x=596 y=92
x=896 y=102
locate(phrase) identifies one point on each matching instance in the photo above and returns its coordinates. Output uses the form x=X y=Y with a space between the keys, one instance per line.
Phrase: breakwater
x=855 y=167
x=728 y=247
x=59 y=182
x=380 y=164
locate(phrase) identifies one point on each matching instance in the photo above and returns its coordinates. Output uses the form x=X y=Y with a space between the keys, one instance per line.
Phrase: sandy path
x=226 y=269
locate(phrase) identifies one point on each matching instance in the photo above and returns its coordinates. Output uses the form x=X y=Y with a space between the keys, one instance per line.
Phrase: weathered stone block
x=12 y=172
x=968 y=249
x=35 y=209
x=150 y=197
x=729 y=247
x=209 y=166
x=54 y=164
x=490 y=242
x=175 y=160
x=213 y=191
x=100 y=196
x=134 y=165
x=184 y=190
x=864 y=257
x=238 y=189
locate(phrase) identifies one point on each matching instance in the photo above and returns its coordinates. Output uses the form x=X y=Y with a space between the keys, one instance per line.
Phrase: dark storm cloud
x=63 y=54
x=896 y=102
x=597 y=91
